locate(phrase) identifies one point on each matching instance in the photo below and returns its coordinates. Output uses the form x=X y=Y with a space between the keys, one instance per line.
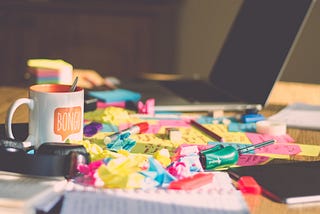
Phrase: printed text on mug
x=67 y=121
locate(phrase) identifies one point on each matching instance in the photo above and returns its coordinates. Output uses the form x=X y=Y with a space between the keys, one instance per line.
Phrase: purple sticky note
x=251 y=160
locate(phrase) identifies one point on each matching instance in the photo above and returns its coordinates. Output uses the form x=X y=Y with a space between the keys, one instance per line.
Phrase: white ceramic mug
x=56 y=113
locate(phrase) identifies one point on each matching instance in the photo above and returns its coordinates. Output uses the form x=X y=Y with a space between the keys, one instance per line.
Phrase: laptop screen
x=257 y=46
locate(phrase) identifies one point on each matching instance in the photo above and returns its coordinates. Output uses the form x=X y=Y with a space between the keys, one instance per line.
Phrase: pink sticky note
x=258 y=138
x=115 y=104
x=173 y=123
x=251 y=160
x=153 y=128
x=147 y=108
x=280 y=148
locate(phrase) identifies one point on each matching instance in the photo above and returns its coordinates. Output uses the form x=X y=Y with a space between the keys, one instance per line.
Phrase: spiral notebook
x=222 y=198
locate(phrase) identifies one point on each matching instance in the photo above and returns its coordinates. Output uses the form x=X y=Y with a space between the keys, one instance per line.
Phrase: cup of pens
x=55 y=113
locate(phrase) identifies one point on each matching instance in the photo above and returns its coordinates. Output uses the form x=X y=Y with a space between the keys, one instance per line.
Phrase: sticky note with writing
x=258 y=138
x=280 y=148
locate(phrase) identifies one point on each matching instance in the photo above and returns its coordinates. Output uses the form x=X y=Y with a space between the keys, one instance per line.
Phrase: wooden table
x=283 y=93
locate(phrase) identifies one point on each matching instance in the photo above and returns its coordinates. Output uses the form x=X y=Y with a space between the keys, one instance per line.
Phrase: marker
x=247 y=184
x=192 y=182
x=256 y=146
x=135 y=129
x=222 y=157
x=206 y=131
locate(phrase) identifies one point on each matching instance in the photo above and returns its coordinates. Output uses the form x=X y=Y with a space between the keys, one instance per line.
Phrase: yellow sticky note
x=219 y=129
x=306 y=150
x=309 y=150
x=238 y=137
x=49 y=63
x=111 y=115
x=277 y=156
x=150 y=143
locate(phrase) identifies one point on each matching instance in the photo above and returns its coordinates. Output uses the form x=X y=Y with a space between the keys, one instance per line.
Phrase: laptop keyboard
x=195 y=91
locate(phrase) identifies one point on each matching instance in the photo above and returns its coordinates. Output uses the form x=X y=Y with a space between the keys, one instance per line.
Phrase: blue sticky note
x=109 y=128
x=252 y=118
x=211 y=120
x=242 y=127
x=205 y=120
x=116 y=95
x=122 y=142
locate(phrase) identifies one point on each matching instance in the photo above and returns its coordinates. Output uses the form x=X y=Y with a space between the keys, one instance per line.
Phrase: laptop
x=251 y=60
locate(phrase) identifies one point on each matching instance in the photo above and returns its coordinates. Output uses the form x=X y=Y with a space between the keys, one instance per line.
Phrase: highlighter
x=219 y=157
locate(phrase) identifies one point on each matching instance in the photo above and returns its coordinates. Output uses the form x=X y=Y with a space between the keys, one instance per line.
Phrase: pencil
x=206 y=131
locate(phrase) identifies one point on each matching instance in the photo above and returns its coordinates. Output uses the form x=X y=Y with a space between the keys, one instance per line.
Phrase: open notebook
x=25 y=194
x=254 y=54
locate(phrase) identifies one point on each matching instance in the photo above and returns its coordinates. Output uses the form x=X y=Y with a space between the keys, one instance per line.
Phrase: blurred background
x=124 y=38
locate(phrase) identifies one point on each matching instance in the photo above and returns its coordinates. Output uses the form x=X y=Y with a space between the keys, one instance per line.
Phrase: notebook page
x=22 y=192
x=220 y=197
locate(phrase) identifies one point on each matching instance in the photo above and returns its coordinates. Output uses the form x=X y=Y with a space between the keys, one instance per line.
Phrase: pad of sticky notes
x=42 y=71
x=115 y=95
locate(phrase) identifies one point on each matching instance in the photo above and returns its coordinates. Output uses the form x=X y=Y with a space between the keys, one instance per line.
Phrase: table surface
x=283 y=93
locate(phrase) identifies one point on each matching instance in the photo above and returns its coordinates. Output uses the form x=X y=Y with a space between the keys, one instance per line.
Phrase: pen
x=206 y=131
x=135 y=129
x=74 y=84
x=256 y=146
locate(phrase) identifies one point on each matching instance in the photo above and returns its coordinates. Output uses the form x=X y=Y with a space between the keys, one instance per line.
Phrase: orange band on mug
x=52 y=88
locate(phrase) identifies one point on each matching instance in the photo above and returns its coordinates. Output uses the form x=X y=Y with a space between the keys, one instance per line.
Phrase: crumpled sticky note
x=122 y=142
x=122 y=172
x=158 y=173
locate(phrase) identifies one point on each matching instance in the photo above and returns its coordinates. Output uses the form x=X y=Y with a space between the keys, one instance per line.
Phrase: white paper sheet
x=299 y=115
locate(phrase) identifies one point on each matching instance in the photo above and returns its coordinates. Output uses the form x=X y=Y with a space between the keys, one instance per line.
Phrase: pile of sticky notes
x=50 y=71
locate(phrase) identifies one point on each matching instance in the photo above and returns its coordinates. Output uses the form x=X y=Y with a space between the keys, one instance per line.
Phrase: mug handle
x=10 y=113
